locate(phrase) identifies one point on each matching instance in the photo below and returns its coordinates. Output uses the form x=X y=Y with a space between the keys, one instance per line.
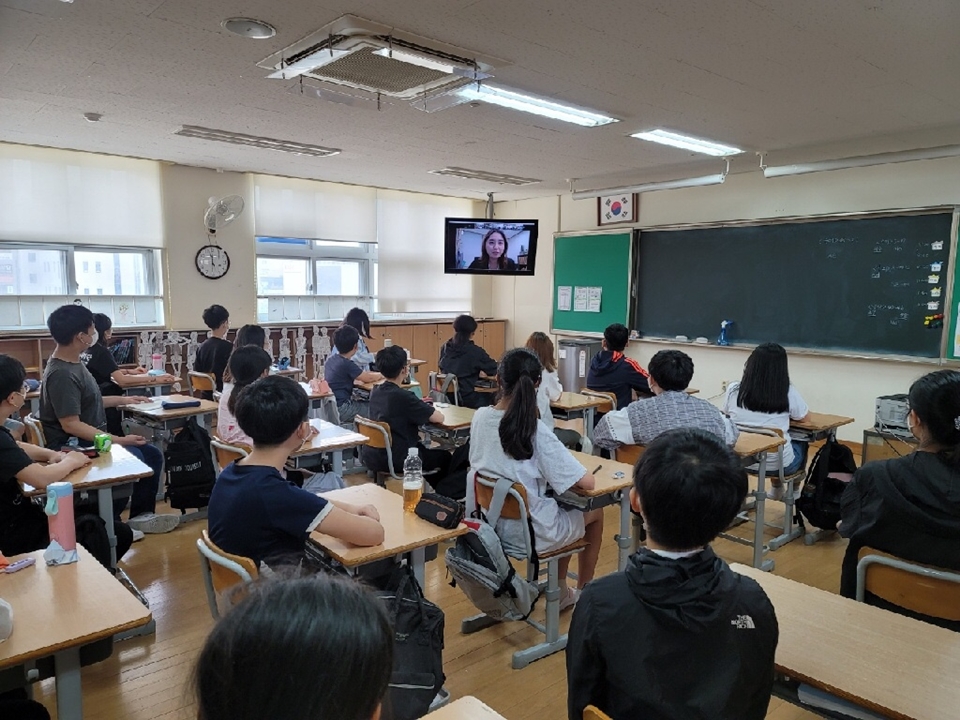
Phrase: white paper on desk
x=593 y=299
x=564 y=294
x=579 y=299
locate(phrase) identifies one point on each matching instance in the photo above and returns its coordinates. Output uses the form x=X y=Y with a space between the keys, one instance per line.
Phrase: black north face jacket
x=684 y=639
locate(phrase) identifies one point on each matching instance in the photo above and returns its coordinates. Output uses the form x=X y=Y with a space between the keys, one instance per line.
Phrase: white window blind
x=61 y=196
x=287 y=207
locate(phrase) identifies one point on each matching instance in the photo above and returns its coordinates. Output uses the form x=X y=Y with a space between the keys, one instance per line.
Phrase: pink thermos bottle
x=59 y=509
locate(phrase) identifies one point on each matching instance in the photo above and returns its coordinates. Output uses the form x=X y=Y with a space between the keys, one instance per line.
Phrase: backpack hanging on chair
x=190 y=469
x=831 y=470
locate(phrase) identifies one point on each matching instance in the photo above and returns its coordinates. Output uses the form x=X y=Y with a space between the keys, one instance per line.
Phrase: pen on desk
x=597 y=469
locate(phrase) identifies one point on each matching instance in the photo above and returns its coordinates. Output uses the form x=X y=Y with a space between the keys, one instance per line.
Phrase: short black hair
x=671 y=369
x=68 y=321
x=250 y=335
x=345 y=338
x=270 y=410
x=358 y=318
x=215 y=316
x=261 y=659
x=12 y=375
x=616 y=336
x=391 y=361
x=691 y=487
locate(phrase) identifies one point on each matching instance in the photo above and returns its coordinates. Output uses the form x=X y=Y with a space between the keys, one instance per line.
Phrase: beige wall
x=829 y=384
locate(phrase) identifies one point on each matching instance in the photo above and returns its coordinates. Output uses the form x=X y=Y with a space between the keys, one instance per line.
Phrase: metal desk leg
x=35 y=407
x=337 y=457
x=418 y=560
x=105 y=508
x=624 y=539
x=588 y=417
x=69 y=697
x=758 y=522
x=157 y=391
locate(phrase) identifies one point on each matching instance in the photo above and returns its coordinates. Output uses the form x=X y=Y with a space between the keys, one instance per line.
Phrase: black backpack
x=190 y=469
x=827 y=478
x=92 y=535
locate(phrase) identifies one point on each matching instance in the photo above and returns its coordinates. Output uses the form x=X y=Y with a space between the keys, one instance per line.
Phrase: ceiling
x=799 y=79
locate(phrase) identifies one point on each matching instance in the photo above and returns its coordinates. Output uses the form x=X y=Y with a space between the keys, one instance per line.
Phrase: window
x=33 y=279
x=31 y=257
x=99 y=291
x=86 y=266
x=127 y=272
x=283 y=276
x=97 y=267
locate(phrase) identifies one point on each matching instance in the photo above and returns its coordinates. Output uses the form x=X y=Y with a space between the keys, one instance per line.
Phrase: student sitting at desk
x=612 y=371
x=358 y=319
x=910 y=506
x=550 y=388
x=214 y=352
x=247 y=365
x=341 y=373
x=508 y=441
x=765 y=398
x=254 y=511
x=310 y=647
x=250 y=335
x=669 y=408
x=677 y=634
x=71 y=406
x=467 y=360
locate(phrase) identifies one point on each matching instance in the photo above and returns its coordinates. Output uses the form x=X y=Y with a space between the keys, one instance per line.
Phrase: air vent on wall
x=485 y=176
x=375 y=58
x=256 y=141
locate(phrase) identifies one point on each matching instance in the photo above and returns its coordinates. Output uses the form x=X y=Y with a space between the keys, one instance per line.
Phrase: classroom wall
x=836 y=385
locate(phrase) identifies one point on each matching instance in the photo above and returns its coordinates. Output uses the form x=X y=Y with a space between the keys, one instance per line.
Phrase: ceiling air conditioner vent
x=363 y=55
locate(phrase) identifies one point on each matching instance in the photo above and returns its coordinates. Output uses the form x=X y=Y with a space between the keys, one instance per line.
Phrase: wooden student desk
x=154 y=416
x=331 y=439
x=404 y=533
x=58 y=609
x=818 y=426
x=888 y=663
x=612 y=481
x=574 y=405
x=466 y=708
x=146 y=382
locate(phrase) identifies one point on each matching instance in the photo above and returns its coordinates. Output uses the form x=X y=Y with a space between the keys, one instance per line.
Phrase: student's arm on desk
x=612 y=426
x=436 y=418
x=74 y=426
x=585 y=665
x=136 y=376
x=587 y=482
x=357 y=524
x=58 y=465
x=368 y=376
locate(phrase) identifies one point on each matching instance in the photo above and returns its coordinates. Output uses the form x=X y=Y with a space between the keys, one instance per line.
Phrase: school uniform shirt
x=256 y=513
x=228 y=429
x=551 y=466
x=340 y=372
x=68 y=389
x=909 y=507
x=742 y=416
x=643 y=420
x=101 y=364
x=550 y=390
x=212 y=357
x=612 y=371
x=404 y=412
x=672 y=637
x=466 y=361
x=23 y=524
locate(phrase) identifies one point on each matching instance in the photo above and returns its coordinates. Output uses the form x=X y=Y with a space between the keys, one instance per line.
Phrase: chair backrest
x=611 y=399
x=222 y=571
x=201 y=382
x=445 y=384
x=226 y=453
x=515 y=507
x=629 y=453
x=34 y=430
x=377 y=431
x=922 y=589
x=592 y=712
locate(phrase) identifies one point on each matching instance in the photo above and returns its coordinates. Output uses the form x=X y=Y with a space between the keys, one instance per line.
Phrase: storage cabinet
x=491 y=336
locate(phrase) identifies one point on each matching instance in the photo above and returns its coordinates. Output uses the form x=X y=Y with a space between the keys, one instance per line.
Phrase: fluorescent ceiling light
x=535 y=105
x=233 y=138
x=415 y=59
x=864 y=161
x=650 y=187
x=485 y=176
x=685 y=142
x=310 y=62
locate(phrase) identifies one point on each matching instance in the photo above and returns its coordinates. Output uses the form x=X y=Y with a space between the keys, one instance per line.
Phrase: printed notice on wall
x=564 y=295
x=579 y=299
x=593 y=299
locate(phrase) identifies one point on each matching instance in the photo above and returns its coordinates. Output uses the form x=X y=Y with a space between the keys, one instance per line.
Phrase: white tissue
x=56 y=555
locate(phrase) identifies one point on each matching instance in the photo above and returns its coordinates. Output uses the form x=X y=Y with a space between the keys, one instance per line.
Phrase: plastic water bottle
x=59 y=510
x=412 y=479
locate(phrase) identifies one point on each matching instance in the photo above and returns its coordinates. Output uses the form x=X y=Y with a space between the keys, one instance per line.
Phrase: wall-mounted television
x=490 y=247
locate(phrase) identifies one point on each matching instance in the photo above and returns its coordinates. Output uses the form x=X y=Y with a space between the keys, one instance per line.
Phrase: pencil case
x=440 y=510
x=167 y=405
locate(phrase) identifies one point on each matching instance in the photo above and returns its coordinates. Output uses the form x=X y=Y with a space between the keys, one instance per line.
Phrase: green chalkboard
x=597 y=259
x=865 y=284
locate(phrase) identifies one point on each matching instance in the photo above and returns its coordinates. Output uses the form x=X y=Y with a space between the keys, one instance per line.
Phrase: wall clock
x=212 y=262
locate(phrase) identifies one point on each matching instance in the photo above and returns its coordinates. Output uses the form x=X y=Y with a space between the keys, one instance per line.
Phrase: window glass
x=338 y=277
x=21 y=272
x=113 y=273
x=282 y=276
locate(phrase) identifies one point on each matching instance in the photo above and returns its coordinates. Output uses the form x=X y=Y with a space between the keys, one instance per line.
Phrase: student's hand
x=130 y=440
x=167 y=378
x=313 y=432
x=368 y=511
x=136 y=399
x=75 y=460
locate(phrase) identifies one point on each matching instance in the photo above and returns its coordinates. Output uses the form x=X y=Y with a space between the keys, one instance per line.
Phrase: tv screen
x=499 y=247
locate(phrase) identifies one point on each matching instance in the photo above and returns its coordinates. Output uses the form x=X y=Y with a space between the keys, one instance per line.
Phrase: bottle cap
x=413 y=452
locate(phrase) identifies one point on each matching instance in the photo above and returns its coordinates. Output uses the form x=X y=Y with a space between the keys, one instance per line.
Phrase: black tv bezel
x=450 y=248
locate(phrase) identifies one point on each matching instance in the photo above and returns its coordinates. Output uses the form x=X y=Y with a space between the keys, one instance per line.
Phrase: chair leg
x=554 y=642
x=475 y=623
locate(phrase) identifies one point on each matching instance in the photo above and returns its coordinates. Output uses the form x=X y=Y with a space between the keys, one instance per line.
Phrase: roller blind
x=287 y=207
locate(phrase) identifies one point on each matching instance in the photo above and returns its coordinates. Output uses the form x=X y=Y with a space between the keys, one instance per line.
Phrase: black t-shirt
x=12 y=461
x=101 y=364
x=404 y=412
x=212 y=357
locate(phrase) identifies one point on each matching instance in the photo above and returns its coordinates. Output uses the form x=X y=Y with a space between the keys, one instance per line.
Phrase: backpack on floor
x=828 y=476
x=92 y=535
x=190 y=469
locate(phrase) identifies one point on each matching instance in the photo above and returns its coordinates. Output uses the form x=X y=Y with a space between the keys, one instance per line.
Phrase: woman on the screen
x=493 y=253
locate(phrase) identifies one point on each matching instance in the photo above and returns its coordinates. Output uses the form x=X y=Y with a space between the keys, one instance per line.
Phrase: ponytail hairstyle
x=541 y=344
x=935 y=398
x=518 y=375
x=103 y=324
x=464 y=326
x=766 y=383
x=246 y=365
x=357 y=318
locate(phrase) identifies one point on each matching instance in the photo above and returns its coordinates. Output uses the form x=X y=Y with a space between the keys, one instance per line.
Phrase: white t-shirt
x=228 y=430
x=749 y=418
x=551 y=465
x=548 y=391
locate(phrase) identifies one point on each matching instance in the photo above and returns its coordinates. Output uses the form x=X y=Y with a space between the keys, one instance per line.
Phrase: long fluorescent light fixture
x=701 y=181
x=415 y=59
x=256 y=141
x=305 y=65
x=932 y=153
x=484 y=175
x=532 y=104
x=686 y=142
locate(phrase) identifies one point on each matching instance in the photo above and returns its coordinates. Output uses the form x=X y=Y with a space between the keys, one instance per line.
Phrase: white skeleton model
x=301 y=345
x=268 y=341
x=284 y=344
x=175 y=346
x=144 y=350
x=320 y=344
x=192 y=346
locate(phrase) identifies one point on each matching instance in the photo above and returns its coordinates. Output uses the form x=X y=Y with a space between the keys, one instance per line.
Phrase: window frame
x=364 y=253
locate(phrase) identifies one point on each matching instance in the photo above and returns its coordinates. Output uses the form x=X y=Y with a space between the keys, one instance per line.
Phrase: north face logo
x=743 y=622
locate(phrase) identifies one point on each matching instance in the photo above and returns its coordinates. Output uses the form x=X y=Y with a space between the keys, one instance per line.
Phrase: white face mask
x=93 y=337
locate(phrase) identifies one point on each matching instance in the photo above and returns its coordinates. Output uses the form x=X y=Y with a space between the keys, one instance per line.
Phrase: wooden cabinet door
x=492 y=338
x=426 y=346
x=444 y=333
x=401 y=335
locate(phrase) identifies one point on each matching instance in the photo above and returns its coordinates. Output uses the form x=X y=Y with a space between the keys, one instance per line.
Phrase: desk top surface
x=576 y=401
x=331 y=437
x=132 y=382
x=111 y=468
x=414 y=363
x=455 y=417
x=893 y=664
x=154 y=410
x=752 y=443
x=606 y=483
x=403 y=531
x=821 y=422
x=312 y=395
x=289 y=372
x=466 y=708
x=64 y=606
